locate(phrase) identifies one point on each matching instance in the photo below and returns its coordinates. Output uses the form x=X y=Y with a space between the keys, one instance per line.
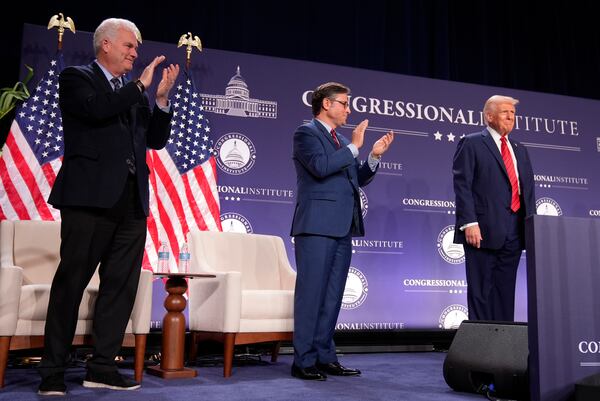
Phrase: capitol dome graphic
x=234 y=158
x=237 y=101
x=237 y=88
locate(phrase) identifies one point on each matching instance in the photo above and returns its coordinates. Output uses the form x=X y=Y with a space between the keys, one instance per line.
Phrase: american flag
x=183 y=183
x=32 y=154
x=183 y=177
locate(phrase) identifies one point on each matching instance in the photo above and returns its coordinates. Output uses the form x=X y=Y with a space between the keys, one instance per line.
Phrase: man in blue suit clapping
x=494 y=187
x=326 y=217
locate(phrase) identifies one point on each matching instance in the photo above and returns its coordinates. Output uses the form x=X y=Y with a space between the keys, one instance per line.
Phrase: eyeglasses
x=345 y=104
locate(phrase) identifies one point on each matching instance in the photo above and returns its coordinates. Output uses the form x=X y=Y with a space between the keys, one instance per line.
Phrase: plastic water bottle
x=163 y=258
x=184 y=259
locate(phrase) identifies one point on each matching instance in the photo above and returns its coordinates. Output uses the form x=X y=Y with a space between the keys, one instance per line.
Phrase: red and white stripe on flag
x=24 y=183
x=178 y=204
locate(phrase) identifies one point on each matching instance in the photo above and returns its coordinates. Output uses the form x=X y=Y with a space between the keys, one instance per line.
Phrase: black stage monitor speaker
x=588 y=389
x=489 y=353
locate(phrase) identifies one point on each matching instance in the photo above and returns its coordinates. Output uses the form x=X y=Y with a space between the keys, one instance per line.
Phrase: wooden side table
x=173 y=336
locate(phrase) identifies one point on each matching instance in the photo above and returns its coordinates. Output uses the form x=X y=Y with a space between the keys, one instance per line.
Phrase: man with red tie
x=326 y=217
x=494 y=187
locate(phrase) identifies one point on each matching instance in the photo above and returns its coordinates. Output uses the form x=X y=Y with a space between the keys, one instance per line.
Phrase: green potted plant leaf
x=9 y=98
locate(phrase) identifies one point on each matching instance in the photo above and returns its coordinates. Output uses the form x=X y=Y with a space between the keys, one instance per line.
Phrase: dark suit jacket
x=328 y=180
x=483 y=190
x=101 y=130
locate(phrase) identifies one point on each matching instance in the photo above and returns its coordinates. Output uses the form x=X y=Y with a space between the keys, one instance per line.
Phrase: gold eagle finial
x=61 y=22
x=190 y=41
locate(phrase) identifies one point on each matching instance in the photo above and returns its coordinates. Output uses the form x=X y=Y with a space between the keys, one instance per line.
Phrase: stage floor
x=389 y=376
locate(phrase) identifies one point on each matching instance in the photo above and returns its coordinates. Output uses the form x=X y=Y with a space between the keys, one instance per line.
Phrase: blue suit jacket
x=101 y=130
x=328 y=180
x=482 y=188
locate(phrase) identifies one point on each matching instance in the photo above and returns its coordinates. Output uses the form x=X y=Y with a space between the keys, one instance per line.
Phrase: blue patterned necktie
x=116 y=83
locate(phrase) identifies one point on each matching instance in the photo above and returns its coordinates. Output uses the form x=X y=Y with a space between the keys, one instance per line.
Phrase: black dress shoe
x=310 y=373
x=335 y=369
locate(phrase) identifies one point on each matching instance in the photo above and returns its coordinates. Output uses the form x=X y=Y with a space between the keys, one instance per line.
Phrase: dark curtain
x=532 y=45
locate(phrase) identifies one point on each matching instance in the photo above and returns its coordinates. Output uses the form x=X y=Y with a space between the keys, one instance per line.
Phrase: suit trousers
x=492 y=276
x=113 y=238
x=322 y=265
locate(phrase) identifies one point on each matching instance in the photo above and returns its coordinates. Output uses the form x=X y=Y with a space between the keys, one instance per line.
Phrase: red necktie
x=335 y=138
x=515 y=203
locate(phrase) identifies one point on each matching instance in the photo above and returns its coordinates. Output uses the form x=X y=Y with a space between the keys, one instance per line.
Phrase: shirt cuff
x=353 y=149
x=167 y=108
x=373 y=162
x=463 y=227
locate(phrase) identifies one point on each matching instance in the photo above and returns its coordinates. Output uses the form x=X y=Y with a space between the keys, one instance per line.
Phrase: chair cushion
x=267 y=304
x=33 y=304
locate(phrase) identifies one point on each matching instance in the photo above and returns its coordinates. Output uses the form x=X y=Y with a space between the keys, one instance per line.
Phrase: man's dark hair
x=326 y=90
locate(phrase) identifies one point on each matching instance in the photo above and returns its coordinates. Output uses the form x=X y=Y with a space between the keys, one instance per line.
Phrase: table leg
x=173 y=337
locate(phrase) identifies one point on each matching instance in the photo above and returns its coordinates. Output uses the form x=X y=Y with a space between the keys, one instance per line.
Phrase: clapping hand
x=382 y=144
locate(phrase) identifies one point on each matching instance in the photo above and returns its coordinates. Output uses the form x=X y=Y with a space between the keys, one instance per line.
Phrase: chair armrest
x=142 y=308
x=286 y=273
x=215 y=304
x=287 y=276
x=11 y=279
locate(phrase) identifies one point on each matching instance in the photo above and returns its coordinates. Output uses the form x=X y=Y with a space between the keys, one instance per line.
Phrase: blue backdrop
x=406 y=273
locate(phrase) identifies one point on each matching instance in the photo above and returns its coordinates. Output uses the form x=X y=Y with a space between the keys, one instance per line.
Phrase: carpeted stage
x=385 y=376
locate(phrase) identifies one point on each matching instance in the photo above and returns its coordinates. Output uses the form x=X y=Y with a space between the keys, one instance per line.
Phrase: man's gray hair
x=109 y=28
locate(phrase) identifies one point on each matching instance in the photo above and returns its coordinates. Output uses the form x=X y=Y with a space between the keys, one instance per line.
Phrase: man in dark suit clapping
x=102 y=193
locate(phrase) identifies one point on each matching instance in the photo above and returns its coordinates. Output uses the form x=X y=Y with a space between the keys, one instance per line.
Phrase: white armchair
x=29 y=256
x=252 y=298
